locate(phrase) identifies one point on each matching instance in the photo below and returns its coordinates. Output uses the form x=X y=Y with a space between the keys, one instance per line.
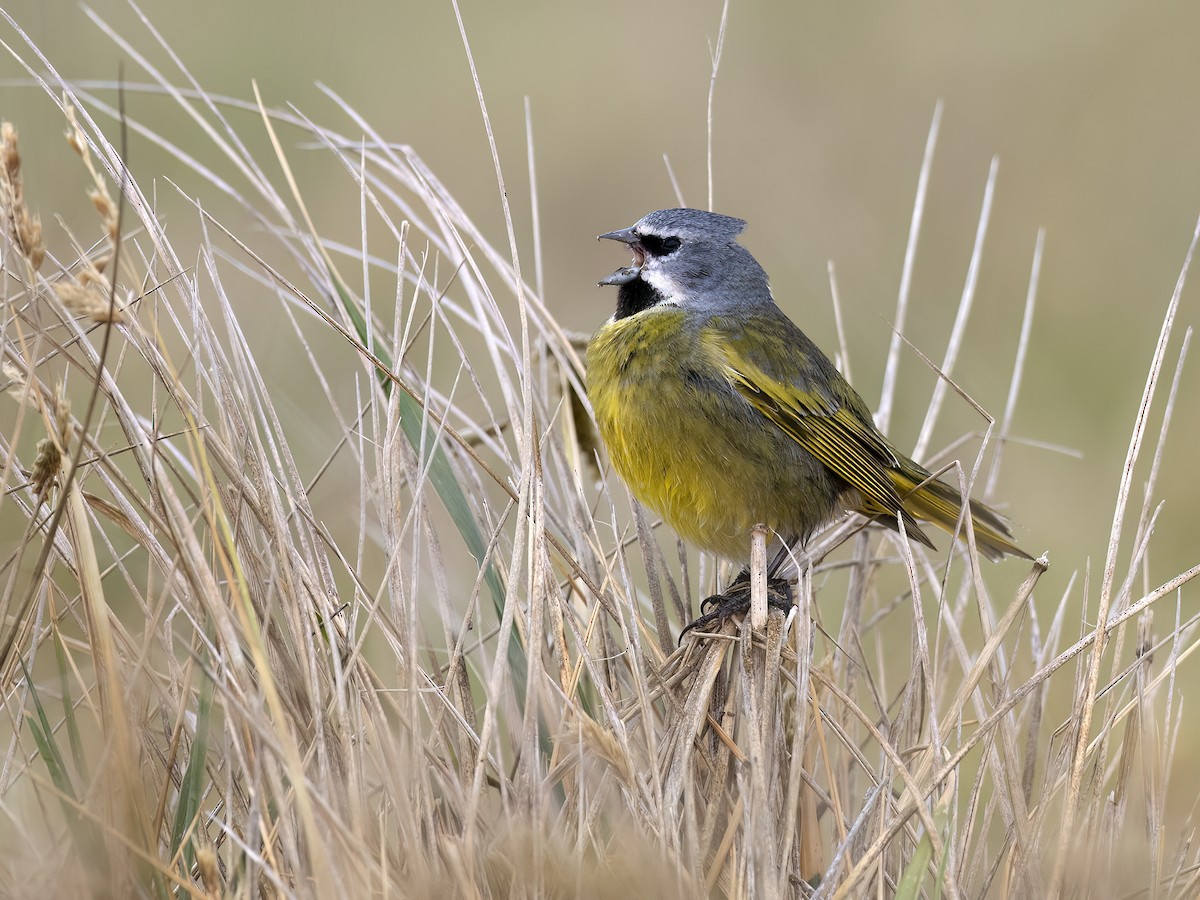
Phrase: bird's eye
x=659 y=246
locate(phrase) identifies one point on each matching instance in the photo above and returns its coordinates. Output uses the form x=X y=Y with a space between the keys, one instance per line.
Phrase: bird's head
x=688 y=258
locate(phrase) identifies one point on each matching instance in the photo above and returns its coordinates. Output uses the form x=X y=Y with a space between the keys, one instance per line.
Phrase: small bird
x=720 y=413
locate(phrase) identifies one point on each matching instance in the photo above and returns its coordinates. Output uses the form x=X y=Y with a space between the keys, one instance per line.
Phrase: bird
x=720 y=414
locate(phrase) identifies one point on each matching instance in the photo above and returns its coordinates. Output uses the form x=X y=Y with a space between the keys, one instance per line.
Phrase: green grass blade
x=909 y=887
x=86 y=835
x=77 y=754
x=191 y=788
x=43 y=736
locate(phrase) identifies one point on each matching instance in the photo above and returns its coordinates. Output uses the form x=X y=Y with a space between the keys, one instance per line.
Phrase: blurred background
x=820 y=119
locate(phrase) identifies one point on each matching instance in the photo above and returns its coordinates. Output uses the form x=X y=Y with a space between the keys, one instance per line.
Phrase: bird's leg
x=735 y=599
x=739 y=585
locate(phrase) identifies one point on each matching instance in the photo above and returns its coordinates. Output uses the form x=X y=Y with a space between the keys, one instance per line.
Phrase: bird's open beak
x=625 y=236
x=625 y=274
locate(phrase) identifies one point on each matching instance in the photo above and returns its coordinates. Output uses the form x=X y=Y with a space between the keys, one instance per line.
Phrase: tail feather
x=938 y=502
x=911 y=528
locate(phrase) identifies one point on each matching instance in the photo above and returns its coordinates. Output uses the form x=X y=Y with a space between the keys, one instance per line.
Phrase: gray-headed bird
x=720 y=414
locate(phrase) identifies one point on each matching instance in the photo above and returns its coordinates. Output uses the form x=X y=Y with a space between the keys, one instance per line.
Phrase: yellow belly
x=690 y=448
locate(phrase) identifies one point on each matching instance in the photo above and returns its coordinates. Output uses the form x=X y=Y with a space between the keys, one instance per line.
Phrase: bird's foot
x=735 y=600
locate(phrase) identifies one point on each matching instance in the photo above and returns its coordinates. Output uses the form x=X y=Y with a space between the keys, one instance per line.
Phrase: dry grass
x=456 y=674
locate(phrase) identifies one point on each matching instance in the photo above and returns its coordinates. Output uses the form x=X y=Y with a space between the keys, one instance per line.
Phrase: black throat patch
x=634 y=296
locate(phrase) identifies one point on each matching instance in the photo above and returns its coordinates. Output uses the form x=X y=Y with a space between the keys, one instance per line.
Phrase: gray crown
x=693 y=223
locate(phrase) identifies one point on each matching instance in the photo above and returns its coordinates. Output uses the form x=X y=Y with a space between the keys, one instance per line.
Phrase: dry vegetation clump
x=453 y=672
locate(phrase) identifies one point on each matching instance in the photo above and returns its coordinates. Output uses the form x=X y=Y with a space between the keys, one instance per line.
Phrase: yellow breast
x=671 y=426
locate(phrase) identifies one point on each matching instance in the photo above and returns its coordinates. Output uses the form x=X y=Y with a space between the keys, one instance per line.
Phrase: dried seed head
x=10 y=156
x=46 y=465
x=102 y=202
x=86 y=299
x=210 y=874
x=27 y=232
x=605 y=746
x=98 y=193
x=62 y=414
x=92 y=274
x=104 y=205
x=14 y=378
x=24 y=228
x=74 y=133
x=16 y=384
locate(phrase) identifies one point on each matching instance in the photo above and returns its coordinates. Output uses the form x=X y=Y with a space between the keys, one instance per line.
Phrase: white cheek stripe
x=665 y=286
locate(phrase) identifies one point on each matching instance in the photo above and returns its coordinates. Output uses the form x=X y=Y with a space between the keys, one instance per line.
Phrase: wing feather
x=851 y=448
x=780 y=373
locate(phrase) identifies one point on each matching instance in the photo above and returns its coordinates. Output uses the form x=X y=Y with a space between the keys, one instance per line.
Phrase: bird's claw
x=735 y=599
